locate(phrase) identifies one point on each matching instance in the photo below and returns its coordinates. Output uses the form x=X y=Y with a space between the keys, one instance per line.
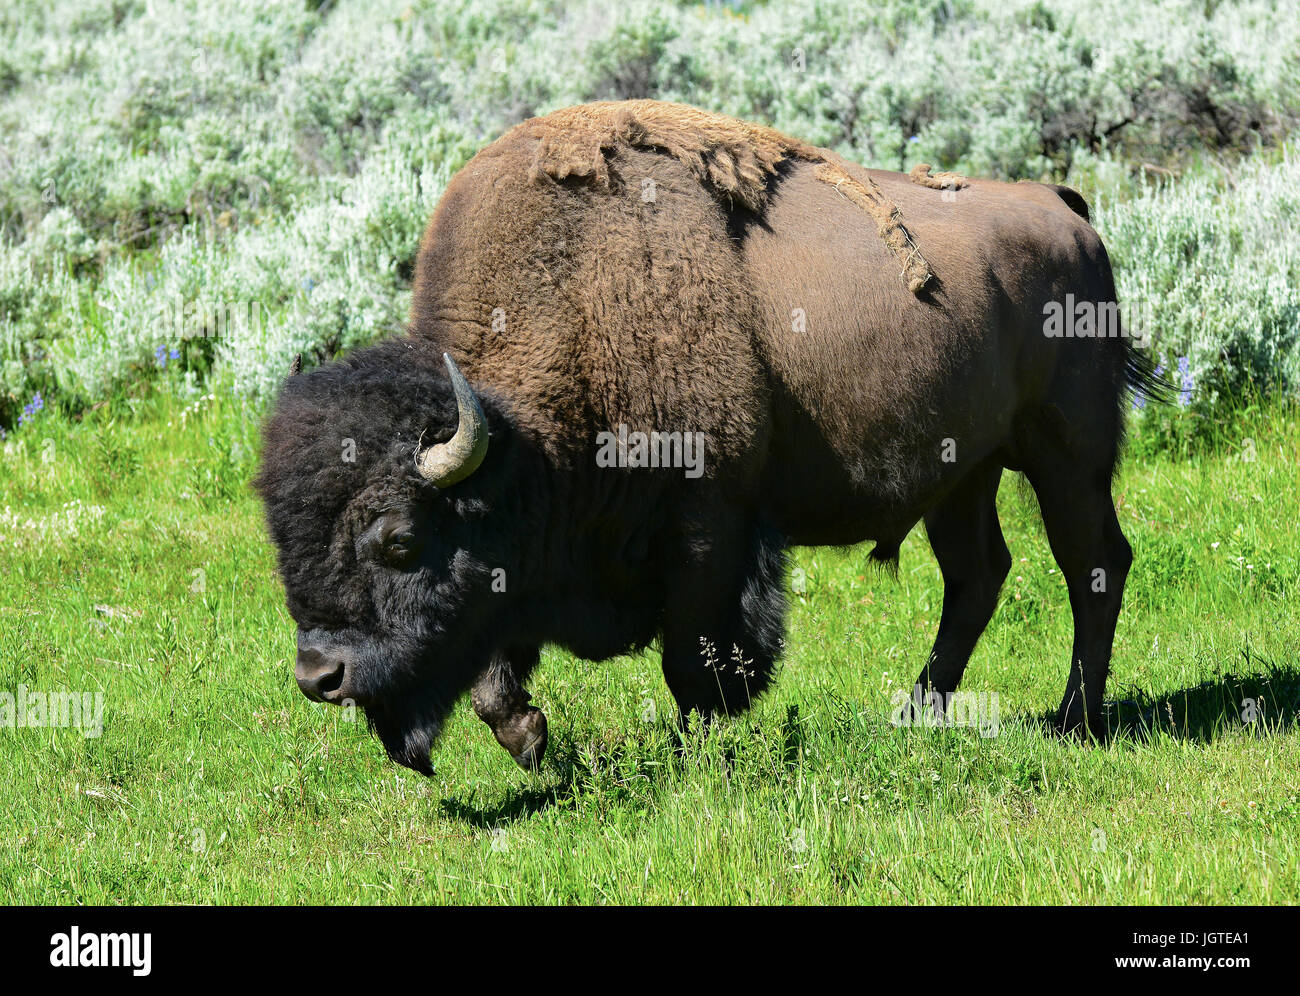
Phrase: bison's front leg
x=724 y=617
x=500 y=701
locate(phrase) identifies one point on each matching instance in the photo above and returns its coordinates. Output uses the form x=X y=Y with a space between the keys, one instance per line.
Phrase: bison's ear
x=295 y=367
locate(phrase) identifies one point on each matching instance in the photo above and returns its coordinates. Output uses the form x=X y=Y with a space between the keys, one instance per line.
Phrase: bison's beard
x=408 y=731
x=408 y=686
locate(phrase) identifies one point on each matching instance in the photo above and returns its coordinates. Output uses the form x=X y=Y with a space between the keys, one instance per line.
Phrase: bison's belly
x=818 y=496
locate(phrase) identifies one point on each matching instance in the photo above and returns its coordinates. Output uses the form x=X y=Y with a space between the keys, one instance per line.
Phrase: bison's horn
x=446 y=463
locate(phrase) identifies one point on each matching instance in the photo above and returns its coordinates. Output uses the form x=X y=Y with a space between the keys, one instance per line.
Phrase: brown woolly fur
x=546 y=285
x=618 y=269
x=734 y=159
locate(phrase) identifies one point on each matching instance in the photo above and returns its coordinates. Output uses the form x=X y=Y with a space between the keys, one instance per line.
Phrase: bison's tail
x=1140 y=378
x=1073 y=200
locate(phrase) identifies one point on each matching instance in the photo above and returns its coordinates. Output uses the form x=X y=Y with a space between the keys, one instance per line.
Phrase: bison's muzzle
x=322 y=674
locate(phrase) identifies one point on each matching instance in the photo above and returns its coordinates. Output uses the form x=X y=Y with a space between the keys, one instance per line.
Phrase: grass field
x=134 y=564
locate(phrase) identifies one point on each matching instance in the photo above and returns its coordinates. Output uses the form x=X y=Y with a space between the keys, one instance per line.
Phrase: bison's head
x=380 y=490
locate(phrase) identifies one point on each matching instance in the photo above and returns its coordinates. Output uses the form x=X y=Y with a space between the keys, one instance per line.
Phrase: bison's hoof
x=524 y=738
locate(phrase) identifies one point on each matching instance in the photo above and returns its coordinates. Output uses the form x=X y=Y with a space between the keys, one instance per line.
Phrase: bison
x=848 y=351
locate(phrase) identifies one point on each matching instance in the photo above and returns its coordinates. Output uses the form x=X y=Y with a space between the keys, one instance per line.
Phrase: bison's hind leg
x=1070 y=465
x=966 y=538
x=724 y=618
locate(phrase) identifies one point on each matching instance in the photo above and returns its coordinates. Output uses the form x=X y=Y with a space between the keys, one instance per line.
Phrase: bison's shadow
x=570 y=768
x=515 y=806
x=1263 y=699
x=564 y=773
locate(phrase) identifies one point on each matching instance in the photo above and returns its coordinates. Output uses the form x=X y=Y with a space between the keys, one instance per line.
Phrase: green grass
x=215 y=781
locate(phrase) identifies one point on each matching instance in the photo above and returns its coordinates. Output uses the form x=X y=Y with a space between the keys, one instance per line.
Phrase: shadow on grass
x=576 y=771
x=1262 y=698
x=517 y=805
x=569 y=772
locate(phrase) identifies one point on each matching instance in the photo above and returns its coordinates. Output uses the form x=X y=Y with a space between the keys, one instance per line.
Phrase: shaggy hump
x=733 y=159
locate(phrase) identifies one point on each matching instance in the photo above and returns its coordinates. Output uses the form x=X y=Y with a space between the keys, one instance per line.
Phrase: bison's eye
x=399 y=548
x=392 y=539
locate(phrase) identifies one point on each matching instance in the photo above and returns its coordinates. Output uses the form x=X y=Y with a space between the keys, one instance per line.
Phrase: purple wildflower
x=30 y=409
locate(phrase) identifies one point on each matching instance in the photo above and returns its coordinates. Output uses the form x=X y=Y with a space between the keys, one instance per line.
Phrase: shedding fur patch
x=937 y=181
x=888 y=219
x=733 y=159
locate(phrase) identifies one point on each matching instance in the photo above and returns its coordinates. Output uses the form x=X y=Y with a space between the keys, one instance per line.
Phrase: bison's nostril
x=320 y=677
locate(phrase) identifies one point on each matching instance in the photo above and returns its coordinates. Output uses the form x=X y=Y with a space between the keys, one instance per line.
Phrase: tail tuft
x=1140 y=378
